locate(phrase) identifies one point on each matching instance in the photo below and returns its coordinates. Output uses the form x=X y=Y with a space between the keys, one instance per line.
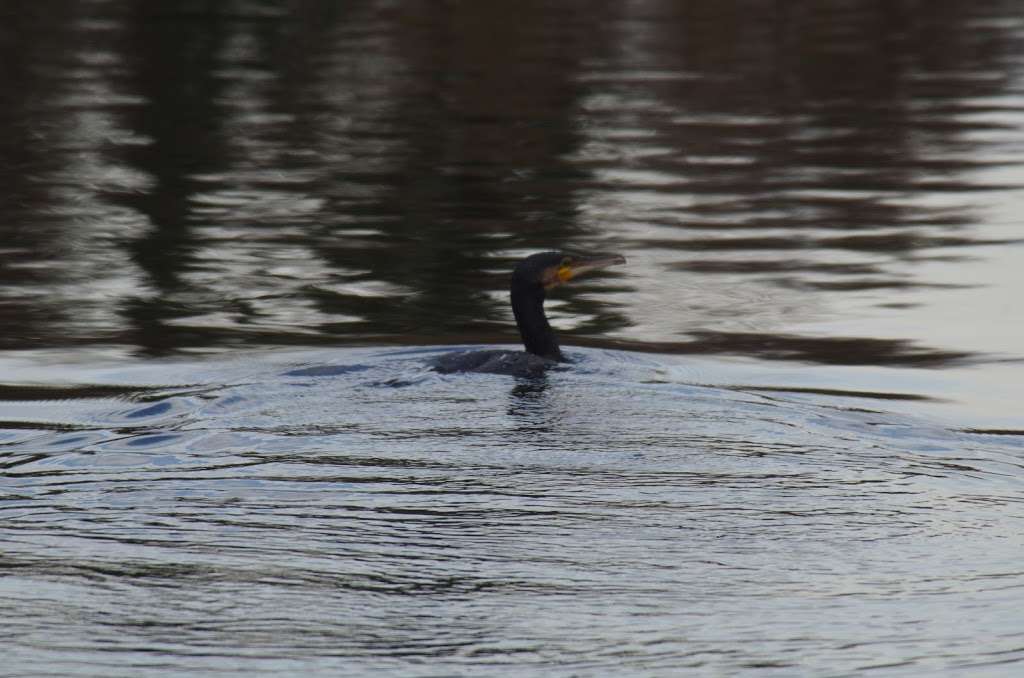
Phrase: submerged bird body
x=495 y=361
x=531 y=279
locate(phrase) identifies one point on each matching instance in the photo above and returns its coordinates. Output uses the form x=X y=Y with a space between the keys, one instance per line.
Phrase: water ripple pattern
x=233 y=234
x=609 y=518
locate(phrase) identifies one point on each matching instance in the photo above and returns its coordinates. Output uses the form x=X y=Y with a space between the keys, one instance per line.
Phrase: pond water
x=233 y=235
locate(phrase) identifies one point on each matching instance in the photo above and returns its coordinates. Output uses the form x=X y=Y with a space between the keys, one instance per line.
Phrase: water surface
x=232 y=235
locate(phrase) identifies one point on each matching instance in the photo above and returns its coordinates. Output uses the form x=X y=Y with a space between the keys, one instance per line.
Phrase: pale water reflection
x=264 y=515
x=792 y=441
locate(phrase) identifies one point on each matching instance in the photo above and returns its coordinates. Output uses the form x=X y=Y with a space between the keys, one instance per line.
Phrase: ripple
x=813 y=468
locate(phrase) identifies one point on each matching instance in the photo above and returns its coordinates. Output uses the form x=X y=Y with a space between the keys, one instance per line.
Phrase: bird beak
x=579 y=265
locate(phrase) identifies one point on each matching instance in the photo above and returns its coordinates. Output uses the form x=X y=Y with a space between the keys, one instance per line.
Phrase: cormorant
x=531 y=279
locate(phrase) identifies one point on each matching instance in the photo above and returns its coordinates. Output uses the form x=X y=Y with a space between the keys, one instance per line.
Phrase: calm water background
x=232 y=233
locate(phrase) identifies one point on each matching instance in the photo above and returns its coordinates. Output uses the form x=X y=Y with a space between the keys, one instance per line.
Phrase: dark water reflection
x=820 y=203
x=245 y=173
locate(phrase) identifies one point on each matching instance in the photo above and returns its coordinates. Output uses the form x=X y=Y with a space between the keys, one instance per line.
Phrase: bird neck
x=538 y=337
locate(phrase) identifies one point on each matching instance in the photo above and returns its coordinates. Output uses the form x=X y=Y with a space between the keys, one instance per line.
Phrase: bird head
x=551 y=269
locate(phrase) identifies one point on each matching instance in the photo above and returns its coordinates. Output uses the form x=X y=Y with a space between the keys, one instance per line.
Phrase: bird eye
x=566 y=261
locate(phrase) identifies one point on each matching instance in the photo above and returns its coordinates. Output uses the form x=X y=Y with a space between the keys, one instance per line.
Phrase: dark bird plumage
x=531 y=279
